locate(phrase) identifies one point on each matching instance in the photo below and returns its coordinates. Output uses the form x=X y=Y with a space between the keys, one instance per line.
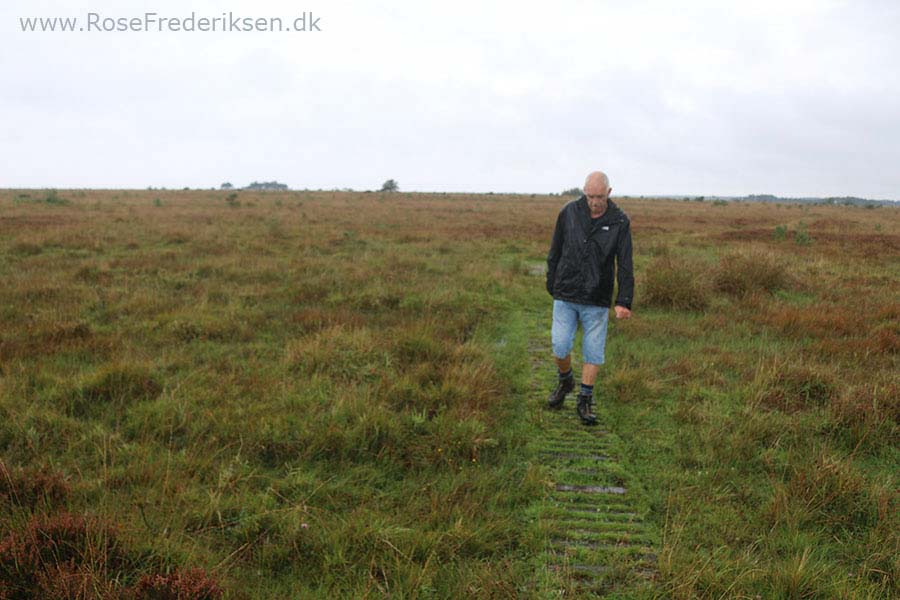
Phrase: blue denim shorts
x=593 y=323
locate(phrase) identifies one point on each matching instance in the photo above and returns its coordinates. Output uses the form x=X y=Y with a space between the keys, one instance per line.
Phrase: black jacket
x=580 y=262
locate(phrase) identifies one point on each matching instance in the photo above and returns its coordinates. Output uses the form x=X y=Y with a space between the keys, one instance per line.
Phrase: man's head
x=596 y=189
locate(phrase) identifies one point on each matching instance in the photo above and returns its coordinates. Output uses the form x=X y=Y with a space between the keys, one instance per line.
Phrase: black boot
x=584 y=409
x=563 y=387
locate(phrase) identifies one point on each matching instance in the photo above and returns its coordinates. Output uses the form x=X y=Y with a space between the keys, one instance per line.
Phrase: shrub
x=58 y=551
x=790 y=388
x=744 y=273
x=55 y=200
x=675 y=283
x=630 y=385
x=66 y=555
x=195 y=584
x=26 y=249
x=802 y=236
x=29 y=487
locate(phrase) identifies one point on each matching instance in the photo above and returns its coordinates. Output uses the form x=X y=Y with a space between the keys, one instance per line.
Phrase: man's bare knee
x=564 y=364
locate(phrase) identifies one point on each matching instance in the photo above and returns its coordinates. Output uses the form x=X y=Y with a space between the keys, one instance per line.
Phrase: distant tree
x=226 y=186
x=390 y=186
x=571 y=192
x=266 y=185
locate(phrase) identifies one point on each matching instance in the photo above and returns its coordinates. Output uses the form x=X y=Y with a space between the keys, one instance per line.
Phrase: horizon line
x=353 y=190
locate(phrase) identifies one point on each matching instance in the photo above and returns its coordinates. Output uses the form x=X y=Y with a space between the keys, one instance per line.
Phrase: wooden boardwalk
x=599 y=541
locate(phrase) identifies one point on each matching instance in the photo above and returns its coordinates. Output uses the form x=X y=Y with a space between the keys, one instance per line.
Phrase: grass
x=316 y=394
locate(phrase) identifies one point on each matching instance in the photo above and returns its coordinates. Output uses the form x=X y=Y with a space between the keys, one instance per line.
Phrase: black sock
x=587 y=390
x=565 y=375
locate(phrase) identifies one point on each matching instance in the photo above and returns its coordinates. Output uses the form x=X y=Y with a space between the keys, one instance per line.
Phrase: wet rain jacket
x=580 y=262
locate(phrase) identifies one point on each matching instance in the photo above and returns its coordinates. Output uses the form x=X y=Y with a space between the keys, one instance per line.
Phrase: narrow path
x=594 y=515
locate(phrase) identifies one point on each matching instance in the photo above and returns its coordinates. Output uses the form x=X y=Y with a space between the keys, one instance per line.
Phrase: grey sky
x=785 y=97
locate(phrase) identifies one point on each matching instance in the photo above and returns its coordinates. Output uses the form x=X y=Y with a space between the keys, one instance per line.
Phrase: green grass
x=333 y=395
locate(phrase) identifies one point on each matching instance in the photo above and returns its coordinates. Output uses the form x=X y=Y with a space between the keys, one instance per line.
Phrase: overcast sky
x=786 y=97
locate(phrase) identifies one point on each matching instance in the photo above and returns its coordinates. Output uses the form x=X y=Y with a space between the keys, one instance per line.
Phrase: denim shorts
x=593 y=323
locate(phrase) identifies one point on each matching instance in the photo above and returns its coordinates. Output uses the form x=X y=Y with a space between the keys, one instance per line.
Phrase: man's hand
x=622 y=313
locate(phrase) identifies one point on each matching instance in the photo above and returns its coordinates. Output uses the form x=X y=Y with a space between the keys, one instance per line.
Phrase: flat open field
x=316 y=394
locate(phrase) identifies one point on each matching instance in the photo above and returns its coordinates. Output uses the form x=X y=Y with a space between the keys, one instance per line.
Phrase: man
x=591 y=233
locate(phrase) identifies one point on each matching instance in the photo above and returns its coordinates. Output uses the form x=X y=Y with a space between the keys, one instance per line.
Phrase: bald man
x=591 y=243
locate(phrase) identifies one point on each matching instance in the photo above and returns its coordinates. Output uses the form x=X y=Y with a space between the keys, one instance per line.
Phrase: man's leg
x=564 y=364
x=589 y=373
x=562 y=335
x=594 y=320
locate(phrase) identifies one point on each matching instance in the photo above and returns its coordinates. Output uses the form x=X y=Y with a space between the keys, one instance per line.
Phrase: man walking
x=591 y=234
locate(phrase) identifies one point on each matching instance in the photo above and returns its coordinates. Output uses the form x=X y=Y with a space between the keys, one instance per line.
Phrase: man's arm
x=624 y=270
x=555 y=252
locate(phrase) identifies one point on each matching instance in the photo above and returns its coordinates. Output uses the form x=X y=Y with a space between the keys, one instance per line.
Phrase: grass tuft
x=114 y=386
x=826 y=492
x=744 y=273
x=789 y=387
x=675 y=283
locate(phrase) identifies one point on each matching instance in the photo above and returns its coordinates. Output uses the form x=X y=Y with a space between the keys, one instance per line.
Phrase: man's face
x=597 y=198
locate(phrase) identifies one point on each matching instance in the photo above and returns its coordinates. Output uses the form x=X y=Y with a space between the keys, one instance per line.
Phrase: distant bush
x=780 y=232
x=675 y=283
x=26 y=249
x=802 y=236
x=267 y=185
x=571 y=192
x=744 y=273
x=53 y=198
x=658 y=249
